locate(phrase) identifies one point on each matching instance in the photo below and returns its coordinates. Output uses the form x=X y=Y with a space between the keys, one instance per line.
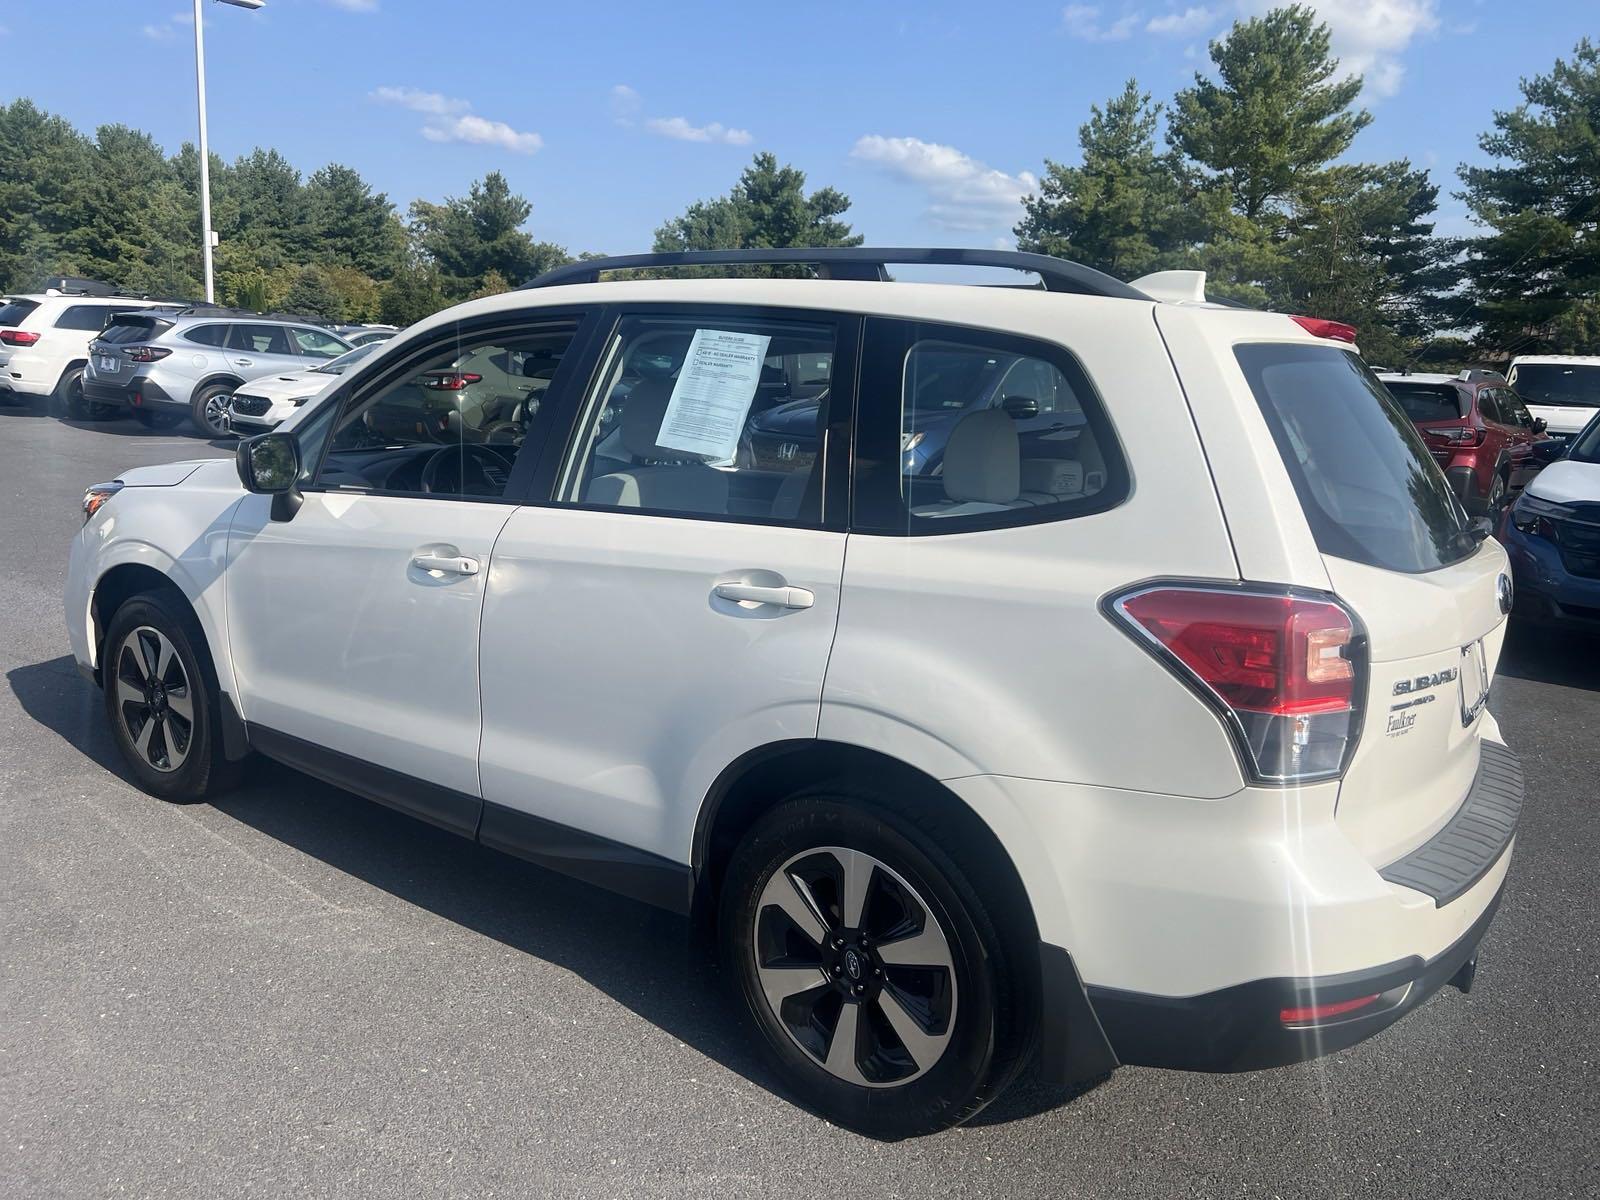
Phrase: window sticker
x=713 y=393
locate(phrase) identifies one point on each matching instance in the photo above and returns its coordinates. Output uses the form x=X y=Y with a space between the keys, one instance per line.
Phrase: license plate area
x=107 y=362
x=1474 y=681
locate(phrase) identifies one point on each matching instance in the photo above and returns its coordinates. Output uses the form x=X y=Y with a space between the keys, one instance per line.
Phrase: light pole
x=206 y=235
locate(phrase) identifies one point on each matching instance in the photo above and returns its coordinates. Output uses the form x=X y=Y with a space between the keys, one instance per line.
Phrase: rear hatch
x=14 y=312
x=1398 y=551
x=1440 y=413
x=108 y=353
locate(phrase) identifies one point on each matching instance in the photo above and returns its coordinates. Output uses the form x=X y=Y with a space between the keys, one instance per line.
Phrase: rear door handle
x=752 y=593
x=244 y=362
x=445 y=564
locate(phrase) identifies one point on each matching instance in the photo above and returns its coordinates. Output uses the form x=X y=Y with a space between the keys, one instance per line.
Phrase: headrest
x=982 y=460
x=642 y=414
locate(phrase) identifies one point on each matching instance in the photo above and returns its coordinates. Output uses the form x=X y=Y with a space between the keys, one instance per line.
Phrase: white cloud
x=450 y=119
x=1181 y=24
x=965 y=195
x=356 y=6
x=624 y=104
x=680 y=130
x=482 y=132
x=158 y=33
x=1084 y=21
x=1369 y=36
x=420 y=101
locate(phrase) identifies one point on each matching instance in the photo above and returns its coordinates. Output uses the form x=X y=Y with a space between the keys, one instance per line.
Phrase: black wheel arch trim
x=212 y=381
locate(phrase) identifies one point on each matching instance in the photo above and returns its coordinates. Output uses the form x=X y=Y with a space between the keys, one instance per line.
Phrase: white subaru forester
x=1083 y=672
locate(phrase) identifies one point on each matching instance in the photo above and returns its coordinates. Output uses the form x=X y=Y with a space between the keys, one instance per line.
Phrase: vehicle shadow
x=1555 y=656
x=642 y=957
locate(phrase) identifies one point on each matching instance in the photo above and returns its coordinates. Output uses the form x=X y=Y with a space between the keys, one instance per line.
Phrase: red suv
x=1477 y=429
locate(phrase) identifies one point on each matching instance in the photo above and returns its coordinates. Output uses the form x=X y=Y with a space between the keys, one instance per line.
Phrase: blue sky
x=932 y=117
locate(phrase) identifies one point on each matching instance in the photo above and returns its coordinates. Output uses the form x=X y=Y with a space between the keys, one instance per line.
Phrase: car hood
x=291 y=385
x=163 y=474
x=1567 y=482
x=793 y=418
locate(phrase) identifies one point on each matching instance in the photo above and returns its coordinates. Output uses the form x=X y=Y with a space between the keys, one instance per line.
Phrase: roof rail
x=855 y=262
x=94 y=289
x=190 y=309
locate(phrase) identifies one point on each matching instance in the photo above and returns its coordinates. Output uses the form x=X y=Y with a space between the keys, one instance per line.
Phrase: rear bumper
x=138 y=393
x=1240 y=1028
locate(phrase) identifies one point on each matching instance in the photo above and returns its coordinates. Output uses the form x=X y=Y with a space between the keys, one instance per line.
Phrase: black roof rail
x=190 y=309
x=94 y=289
x=855 y=262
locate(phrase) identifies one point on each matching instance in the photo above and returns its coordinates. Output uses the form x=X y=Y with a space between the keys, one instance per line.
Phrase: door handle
x=445 y=564
x=753 y=593
x=244 y=362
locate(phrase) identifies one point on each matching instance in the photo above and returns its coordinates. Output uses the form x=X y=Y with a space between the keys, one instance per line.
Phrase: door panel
x=617 y=684
x=340 y=639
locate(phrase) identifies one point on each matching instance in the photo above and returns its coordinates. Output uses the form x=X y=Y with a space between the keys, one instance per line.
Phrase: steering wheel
x=473 y=460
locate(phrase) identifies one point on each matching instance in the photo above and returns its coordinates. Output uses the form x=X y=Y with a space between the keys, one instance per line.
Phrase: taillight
x=1283 y=669
x=18 y=337
x=1456 y=435
x=450 y=381
x=144 y=354
x=1323 y=328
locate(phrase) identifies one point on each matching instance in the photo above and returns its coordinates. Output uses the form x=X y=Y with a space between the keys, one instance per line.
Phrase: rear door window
x=1368 y=486
x=14 y=312
x=85 y=316
x=260 y=339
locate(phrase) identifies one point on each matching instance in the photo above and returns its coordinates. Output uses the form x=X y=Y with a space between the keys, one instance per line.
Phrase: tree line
x=1253 y=181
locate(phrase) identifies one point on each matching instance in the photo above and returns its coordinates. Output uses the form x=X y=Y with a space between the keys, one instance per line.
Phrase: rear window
x=134 y=329
x=13 y=312
x=1565 y=385
x=1429 y=401
x=1369 y=488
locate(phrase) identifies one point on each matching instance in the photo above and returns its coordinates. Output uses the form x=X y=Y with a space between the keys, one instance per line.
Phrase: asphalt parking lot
x=295 y=991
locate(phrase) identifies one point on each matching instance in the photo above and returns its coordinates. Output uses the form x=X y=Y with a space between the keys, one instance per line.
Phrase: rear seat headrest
x=982 y=460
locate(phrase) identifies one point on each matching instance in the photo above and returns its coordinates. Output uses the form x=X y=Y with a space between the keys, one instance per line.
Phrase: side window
x=1518 y=408
x=709 y=415
x=318 y=343
x=208 y=335
x=992 y=430
x=260 y=339
x=1489 y=406
x=453 y=422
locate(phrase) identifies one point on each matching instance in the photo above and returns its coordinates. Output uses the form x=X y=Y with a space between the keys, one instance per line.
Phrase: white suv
x=1063 y=673
x=44 y=342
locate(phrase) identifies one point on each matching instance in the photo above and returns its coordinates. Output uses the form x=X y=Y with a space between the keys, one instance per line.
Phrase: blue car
x=1552 y=535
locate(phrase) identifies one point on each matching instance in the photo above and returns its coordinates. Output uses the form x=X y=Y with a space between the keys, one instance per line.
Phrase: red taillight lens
x=450 y=381
x=18 y=337
x=1456 y=435
x=1282 y=668
x=1323 y=328
x=144 y=354
x=1313 y=1013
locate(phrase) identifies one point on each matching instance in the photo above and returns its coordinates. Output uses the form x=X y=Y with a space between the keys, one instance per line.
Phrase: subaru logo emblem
x=1503 y=589
x=852 y=964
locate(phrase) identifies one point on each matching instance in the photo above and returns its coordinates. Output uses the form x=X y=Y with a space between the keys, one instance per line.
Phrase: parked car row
x=98 y=353
x=1144 y=721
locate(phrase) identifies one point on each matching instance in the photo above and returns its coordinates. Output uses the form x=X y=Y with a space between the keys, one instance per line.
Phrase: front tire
x=162 y=699
x=871 y=967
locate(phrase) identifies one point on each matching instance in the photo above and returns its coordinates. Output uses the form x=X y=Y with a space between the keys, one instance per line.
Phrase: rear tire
x=162 y=699
x=208 y=410
x=922 y=977
x=69 y=400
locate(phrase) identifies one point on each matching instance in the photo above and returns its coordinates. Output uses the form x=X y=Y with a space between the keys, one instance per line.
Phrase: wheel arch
x=76 y=364
x=764 y=777
x=211 y=381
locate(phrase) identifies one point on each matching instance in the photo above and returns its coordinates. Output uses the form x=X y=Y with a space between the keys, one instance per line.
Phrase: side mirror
x=1481 y=528
x=1020 y=408
x=1540 y=424
x=269 y=465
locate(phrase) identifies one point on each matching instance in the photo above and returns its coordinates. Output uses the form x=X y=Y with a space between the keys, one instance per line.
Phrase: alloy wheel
x=154 y=699
x=216 y=413
x=854 y=966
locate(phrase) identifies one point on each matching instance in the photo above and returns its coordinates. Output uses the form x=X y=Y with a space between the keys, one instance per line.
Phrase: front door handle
x=445 y=564
x=753 y=593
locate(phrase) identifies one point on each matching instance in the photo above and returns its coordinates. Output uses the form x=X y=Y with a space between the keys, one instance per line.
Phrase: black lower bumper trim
x=1448 y=864
x=1238 y=1028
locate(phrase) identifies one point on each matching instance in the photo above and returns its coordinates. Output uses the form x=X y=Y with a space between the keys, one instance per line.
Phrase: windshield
x=1428 y=401
x=134 y=329
x=1562 y=385
x=1370 y=490
x=346 y=360
x=1586 y=446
